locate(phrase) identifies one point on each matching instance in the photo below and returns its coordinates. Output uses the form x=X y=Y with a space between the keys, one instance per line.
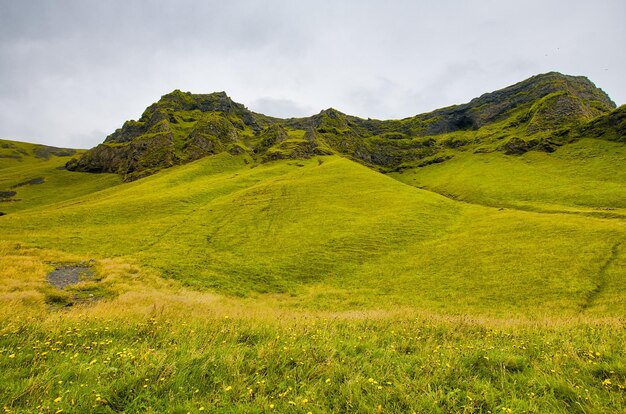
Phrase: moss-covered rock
x=269 y=137
x=539 y=113
x=611 y=126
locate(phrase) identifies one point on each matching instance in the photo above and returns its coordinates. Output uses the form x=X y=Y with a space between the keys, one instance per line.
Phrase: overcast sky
x=71 y=72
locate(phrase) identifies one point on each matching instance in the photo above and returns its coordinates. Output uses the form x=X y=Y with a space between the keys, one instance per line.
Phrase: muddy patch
x=66 y=275
x=7 y=194
x=34 y=181
x=72 y=284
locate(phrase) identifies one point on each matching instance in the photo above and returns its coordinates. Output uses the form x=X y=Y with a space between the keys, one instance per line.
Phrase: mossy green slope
x=611 y=126
x=33 y=175
x=484 y=273
x=329 y=233
x=584 y=177
x=539 y=113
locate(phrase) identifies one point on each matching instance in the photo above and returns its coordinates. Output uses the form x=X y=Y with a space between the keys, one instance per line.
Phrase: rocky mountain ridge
x=539 y=113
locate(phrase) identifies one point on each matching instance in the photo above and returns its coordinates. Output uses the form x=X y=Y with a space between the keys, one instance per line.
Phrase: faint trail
x=188 y=215
x=592 y=296
x=159 y=238
x=600 y=214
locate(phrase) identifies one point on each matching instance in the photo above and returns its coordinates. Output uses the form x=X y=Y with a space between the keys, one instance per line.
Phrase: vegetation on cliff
x=252 y=264
x=537 y=114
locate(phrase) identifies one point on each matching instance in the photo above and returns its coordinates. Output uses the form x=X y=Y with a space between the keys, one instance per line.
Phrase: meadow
x=489 y=283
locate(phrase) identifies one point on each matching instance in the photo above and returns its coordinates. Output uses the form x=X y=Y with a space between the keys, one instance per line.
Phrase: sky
x=71 y=72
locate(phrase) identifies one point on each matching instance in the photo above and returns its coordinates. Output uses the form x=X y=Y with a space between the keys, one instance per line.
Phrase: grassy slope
x=356 y=268
x=157 y=347
x=20 y=164
x=583 y=176
x=334 y=234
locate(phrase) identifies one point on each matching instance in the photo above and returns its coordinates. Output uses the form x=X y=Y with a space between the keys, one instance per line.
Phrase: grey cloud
x=71 y=67
x=281 y=108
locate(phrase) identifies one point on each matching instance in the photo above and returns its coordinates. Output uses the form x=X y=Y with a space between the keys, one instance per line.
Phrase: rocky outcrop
x=181 y=127
x=269 y=137
x=210 y=135
x=310 y=145
x=558 y=110
x=611 y=126
x=141 y=154
x=577 y=96
x=534 y=115
x=518 y=146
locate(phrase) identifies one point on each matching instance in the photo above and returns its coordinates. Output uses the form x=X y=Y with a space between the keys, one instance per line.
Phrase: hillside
x=275 y=206
x=32 y=175
x=334 y=234
x=540 y=113
x=212 y=259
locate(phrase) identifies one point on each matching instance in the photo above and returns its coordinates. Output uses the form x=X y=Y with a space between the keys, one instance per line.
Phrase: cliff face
x=554 y=98
x=611 y=126
x=537 y=114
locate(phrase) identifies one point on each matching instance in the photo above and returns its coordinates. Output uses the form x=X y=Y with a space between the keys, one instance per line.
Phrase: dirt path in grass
x=601 y=279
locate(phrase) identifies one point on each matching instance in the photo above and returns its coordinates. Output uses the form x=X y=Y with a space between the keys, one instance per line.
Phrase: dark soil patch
x=34 y=181
x=45 y=152
x=7 y=194
x=66 y=275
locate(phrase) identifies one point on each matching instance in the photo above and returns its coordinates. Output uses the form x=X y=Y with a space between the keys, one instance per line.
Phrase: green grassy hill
x=579 y=178
x=537 y=114
x=336 y=235
x=325 y=264
x=33 y=175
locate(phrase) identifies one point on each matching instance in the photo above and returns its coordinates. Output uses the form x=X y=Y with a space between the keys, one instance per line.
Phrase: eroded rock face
x=183 y=127
x=577 y=97
x=518 y=146
x=179 y=128
x=611 y=126
x=270 y=137
x=143 y=153
x=558 y=110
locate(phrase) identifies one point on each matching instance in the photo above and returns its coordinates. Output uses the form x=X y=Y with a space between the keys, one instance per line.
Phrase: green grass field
x=489 y=283
x=22 y=162
x=581 y=177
